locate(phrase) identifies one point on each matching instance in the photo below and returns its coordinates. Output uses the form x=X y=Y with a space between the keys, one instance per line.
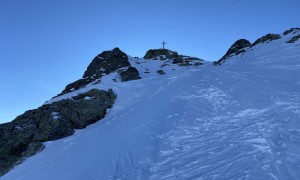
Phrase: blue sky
x=44 y=45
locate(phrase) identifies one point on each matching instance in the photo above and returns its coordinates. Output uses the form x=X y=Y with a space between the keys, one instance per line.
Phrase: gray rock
x=130 y=74
x=24 y=136
x=160 y=72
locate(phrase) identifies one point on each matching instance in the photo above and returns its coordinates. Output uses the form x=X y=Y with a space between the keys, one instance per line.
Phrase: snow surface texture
x=240 y=120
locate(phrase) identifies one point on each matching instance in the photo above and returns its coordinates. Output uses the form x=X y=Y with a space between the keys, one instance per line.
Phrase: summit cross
x=163 y=43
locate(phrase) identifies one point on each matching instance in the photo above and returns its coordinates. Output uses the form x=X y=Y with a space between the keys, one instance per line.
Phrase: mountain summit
x=167 y=116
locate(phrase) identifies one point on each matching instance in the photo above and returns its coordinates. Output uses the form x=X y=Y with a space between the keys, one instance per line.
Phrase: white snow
x=239 y=120
x=55 y=115
x=88 y=98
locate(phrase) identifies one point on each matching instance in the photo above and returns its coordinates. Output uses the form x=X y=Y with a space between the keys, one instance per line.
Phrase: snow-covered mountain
x=186 y=118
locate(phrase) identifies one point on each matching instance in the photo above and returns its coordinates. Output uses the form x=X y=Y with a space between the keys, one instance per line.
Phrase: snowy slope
x=240 y=120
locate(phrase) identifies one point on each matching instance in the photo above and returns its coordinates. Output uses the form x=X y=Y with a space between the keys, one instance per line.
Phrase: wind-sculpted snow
x=240 y=120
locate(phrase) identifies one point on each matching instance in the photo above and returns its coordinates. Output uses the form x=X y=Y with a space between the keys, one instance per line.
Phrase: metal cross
x=163 y=43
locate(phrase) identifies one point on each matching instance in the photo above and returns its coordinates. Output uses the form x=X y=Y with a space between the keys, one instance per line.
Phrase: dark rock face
x=130 y=74
x=103 y=64
x=23 y=136
x=266 y=38
x=235 y=49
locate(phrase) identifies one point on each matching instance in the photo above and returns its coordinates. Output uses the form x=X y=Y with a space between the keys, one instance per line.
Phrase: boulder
x=160 y=72
x=130 y=74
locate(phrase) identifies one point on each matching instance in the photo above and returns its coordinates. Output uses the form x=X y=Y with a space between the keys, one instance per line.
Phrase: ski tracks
x=211 y=142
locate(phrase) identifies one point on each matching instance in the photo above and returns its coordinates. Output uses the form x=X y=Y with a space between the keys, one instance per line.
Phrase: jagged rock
x=130 y=74
x=266 y=38
x=103 y=64
x=235 y=49
x=23 y=136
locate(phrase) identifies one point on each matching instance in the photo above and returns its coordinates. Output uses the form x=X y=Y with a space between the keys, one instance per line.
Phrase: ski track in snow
x=236 y=144
x=236 y=121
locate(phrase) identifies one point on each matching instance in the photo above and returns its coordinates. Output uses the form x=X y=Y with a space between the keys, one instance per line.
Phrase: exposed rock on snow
x=237 y=48
x=130 y=74
x=292 y=30
x=160 y=72
x=294 y=39
x=160 y=54
x=166 y=54
x=103 y=64
x=23 y=136
x=267 y=38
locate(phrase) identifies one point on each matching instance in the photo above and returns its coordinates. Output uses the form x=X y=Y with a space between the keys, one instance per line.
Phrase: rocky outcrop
x=266 y=38
x=160 y=54
x=130 y=74
x=237 y=48
x=165 y=54
x=103 y=64
x=24 y=136
x=294 y=39
x=292 y=30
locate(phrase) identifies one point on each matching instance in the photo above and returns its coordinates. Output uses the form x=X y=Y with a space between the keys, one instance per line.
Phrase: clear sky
x=44 y=45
